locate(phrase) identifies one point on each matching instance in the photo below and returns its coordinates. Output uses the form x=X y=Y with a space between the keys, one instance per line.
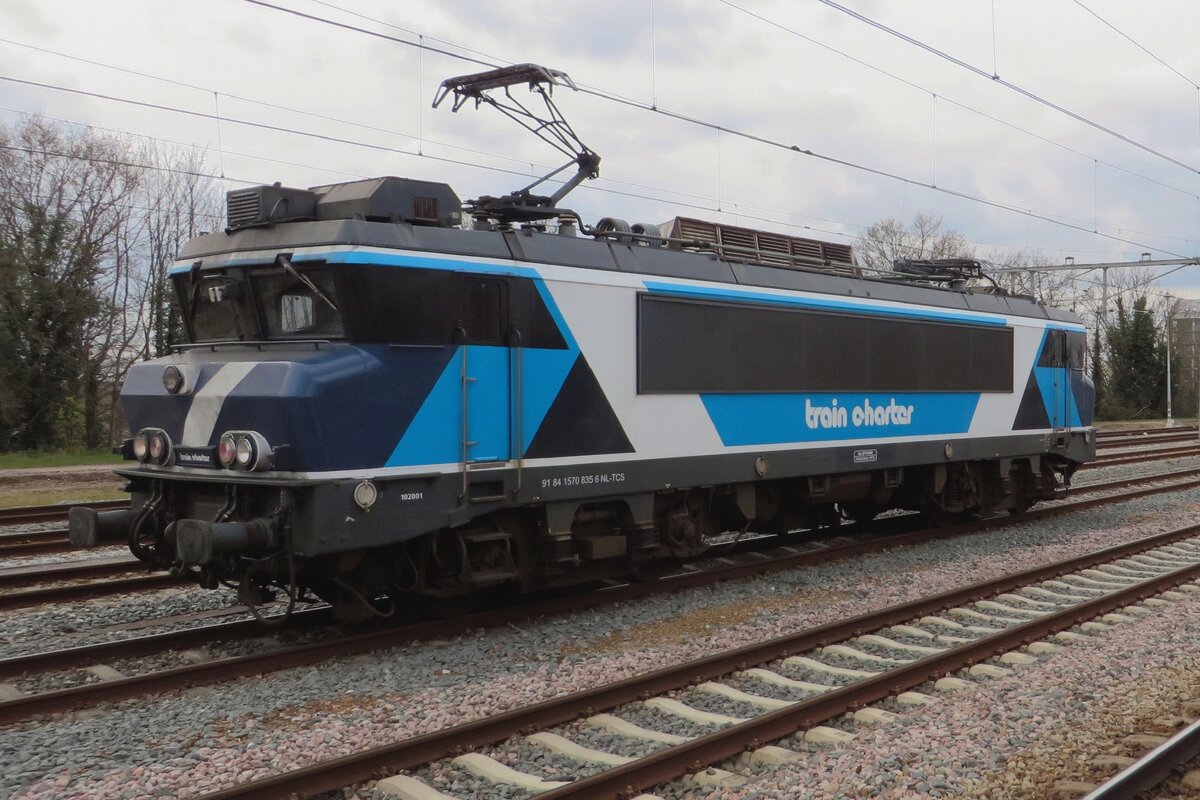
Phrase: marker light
x=141 y=447
x=227 y=451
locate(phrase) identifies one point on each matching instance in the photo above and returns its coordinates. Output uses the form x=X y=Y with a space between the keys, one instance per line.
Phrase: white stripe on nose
x=206 y=404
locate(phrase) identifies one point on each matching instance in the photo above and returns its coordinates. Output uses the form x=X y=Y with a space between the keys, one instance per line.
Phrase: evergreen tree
x=1098 y=376
x=1137 y=365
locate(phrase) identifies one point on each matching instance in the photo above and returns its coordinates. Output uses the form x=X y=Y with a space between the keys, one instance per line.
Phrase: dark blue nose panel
x=325 y=410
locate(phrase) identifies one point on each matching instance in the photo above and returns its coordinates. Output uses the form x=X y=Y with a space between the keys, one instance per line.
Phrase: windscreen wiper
x=194 y=274
x=283 y=261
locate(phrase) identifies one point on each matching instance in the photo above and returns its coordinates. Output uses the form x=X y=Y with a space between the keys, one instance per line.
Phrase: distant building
x=1185 y=347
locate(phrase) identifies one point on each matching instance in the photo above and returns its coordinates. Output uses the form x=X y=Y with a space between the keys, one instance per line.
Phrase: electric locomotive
x=386 y=395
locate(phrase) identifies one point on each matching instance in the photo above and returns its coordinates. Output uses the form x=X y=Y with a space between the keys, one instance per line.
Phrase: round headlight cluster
x=153 y=445
x=172 y=379
x=246 y=450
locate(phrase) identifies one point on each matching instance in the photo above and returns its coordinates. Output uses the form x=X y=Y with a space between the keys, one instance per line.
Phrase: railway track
x=1101 y=433
x=787 y=685
x=1165 y=765
x=223 y=669
x=53 y=513
x=34 y=543
x=1129 y=441
x=1137 y=457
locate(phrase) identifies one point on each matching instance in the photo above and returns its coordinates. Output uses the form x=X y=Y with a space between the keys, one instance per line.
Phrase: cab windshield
x=299 y=304
x=260 y=303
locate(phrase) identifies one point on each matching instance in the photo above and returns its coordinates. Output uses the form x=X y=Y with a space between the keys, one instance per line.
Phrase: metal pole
x=1103 y=299
x=1170 y=417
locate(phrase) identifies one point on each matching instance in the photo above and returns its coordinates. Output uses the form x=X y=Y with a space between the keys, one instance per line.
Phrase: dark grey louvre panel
x=243 y=207
x=691 y=346
x=764 y=247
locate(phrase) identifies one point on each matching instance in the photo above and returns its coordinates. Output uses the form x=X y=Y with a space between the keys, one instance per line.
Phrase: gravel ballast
x=1010 y=738
x=207 y=739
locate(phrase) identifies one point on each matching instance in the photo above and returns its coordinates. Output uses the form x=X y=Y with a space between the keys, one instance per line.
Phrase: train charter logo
x=864 y=414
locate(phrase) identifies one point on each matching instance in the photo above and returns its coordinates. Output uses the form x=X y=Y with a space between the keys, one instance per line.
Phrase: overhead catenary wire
x=418 y=137
x=603 y=180
x=1137 y=44
x=957 y=104
x=247 y=181
x=420 y=45
x=1044 y=216
x=1034 y=96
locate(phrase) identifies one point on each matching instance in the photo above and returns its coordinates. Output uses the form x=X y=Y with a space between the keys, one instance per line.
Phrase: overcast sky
x=743 y=65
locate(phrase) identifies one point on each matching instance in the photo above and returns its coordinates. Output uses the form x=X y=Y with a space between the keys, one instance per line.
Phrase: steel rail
x=85 y=591
x=68 y=657
x=1106 y=434
x=411 y=753
x=1139 y=456
x=704 y=751
x=219 y=670
x=13 y=577
x=1106 y=444
x=43 y=544
x=26 y=514
x=1151 y=769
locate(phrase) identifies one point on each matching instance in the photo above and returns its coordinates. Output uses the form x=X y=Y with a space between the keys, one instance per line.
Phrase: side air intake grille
x=243 y=207
x=425 y=209
x=268 y=205
x=763 y=247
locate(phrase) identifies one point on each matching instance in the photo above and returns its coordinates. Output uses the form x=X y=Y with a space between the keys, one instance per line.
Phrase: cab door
x=1060 y=417
x=485 y=371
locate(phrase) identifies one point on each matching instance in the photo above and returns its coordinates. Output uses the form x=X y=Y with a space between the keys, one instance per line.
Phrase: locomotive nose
x=298 y=400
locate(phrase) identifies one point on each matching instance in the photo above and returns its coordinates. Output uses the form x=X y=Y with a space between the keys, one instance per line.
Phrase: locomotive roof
x=535 y=247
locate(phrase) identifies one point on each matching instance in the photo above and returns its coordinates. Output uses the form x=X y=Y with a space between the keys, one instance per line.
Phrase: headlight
x=227 y=451
x=153 y=445
x=173 y=379
x=141 y=447
x=245 y=452
x=160 y=447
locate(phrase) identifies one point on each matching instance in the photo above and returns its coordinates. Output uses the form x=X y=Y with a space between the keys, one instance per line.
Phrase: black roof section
x=536 y=247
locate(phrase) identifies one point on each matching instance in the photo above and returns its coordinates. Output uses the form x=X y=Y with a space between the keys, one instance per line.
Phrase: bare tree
x=889 y=240
x=1055 y=287
x=88 y=225
x=63 y=195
